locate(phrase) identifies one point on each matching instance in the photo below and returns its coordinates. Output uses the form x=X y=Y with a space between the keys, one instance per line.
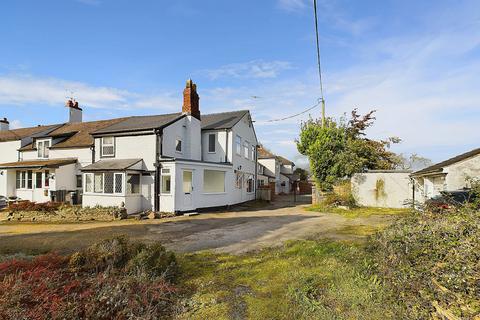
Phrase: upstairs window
x=253 y=152
x=238 y=145
x=178 y=145
x=246 y=149
x=108 y=147
x=211 y=143
x=43 y=149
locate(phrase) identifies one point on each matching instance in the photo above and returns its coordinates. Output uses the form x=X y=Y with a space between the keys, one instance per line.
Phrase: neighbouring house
x=173 y=162
x=276 y=169
x=449 y=175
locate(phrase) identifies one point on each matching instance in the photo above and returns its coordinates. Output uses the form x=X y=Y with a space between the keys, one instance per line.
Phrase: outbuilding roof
x=112 y=165
x=438 y=167
x=38 y=164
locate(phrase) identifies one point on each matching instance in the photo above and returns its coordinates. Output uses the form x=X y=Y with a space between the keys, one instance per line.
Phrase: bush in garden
x=432 y=263
x=92 y=284
x=33 y=206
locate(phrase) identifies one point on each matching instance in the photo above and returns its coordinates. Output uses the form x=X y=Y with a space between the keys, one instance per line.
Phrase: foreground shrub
x=340 y=196
x=34 y=206
x=432 y=262
x=96 y=283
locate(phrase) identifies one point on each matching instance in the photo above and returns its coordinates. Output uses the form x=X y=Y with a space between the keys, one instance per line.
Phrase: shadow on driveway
x=194 y=234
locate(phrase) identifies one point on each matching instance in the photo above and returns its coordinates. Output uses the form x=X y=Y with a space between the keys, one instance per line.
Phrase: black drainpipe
x=158 y=154
x=256 y=171
x=92 y=148
x=226 y=145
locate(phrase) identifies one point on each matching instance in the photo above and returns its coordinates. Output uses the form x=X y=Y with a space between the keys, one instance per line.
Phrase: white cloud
x=16 y=124
x=252 y=69
x=292 y=5
x=29 y=90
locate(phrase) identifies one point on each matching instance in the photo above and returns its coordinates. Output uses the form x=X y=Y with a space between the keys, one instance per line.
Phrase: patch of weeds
x=300 y=280
x=360 y=212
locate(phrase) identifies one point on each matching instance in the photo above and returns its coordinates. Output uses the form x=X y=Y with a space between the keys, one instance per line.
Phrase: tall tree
x=341 y=148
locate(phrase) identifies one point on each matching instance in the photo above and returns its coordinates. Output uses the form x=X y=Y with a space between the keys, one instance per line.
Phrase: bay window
x=104 y=182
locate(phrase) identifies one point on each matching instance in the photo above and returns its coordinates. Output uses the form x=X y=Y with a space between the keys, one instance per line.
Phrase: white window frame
x=181 y=145
x=43 y=148
x=214 y=142
x=238 y=145
x=103 y=144
x=116 y=174
x=246 y=149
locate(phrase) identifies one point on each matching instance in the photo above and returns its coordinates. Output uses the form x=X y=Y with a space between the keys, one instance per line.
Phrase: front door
x=187 y=190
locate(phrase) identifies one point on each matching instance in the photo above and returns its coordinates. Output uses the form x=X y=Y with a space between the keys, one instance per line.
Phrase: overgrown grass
x=300 y=280
x=359 y=212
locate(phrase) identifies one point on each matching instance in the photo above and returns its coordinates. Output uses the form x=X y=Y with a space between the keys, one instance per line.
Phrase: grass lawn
x=360 y=211
x=300 y=280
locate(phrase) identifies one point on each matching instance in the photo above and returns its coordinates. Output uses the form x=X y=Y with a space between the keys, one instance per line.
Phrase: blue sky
x=416 y=62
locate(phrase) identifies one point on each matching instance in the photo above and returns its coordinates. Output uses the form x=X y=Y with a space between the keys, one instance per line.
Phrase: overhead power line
x=319 y=62
x=297 y=114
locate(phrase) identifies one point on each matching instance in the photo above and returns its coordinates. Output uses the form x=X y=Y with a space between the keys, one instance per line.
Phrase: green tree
x=341 y=148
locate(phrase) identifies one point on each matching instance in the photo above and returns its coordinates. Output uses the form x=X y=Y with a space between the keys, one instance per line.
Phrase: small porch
x=118 y=183
x=39 y=180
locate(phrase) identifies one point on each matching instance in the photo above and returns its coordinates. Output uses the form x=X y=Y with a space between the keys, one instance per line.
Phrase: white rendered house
x=276 y=169
x=172 y=163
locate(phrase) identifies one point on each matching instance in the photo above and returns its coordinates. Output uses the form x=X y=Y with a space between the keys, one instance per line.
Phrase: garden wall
x=385 y=189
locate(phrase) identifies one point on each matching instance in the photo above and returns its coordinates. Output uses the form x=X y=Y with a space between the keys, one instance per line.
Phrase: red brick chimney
x=191 y=101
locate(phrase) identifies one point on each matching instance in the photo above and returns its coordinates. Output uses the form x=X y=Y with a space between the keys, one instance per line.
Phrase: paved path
x=233 y=232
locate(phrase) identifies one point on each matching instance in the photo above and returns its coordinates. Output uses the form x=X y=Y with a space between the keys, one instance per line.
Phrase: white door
x=187 y=189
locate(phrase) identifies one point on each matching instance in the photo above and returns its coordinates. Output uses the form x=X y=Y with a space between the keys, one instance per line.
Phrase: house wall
x=288 y=169
x=459 y=173
x=284 y=186
x=396 y=190
x=65 y=178
x=221 y=140
x=8 y=154
x=178 y=201
x=133 y=203
x=188 y=129
x=132 y=147
x=84 y=155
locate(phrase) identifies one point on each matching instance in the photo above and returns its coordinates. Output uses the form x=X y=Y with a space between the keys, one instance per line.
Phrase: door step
x=190 y=214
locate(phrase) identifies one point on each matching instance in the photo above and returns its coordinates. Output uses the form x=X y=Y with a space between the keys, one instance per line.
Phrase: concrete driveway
x=247 y=228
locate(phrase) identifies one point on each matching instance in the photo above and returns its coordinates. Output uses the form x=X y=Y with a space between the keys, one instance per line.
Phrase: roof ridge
x=208 y=114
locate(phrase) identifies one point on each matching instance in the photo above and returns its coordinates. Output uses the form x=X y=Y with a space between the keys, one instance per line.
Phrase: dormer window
x=43 y=149
x=108 y=147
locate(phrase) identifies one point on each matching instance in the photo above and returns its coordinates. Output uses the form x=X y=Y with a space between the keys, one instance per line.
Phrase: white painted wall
x=132 y=147
x=397 y=189
x=188 y=129
x=133 y=203
x=459 y=173
x=8 y=153
x=221 y=142
x=84 y=155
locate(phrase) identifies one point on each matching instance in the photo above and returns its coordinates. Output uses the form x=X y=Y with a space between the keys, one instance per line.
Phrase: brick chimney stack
x=75 y=112
x=191 y=101
x=4 y=124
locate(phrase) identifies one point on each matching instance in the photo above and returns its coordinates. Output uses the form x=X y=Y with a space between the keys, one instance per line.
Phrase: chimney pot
x=191 y=100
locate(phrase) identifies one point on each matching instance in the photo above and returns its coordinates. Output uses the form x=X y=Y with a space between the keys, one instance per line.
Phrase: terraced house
x=172 y=162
